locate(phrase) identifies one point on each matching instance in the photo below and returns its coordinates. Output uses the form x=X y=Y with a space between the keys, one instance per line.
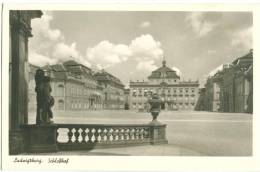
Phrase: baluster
x=96 y=134
x=99 y=135
x=127 y=137
x=80 y=138
x=76 y=134
x=90 y=135
x=121 y=134
x=130 y=134
x=136 y=133
x=83 y=135
x=92 y=138
x=103 y=135
x=141 y=134
x=109 y=133
x=70 y=134
x=87 y=137
x=125 y=134
x=115 y=134
x=73 y=138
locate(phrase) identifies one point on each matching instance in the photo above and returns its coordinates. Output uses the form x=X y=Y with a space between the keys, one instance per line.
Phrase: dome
x=164 y=72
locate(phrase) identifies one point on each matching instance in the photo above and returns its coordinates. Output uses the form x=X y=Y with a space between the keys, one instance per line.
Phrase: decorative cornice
x=21 y=20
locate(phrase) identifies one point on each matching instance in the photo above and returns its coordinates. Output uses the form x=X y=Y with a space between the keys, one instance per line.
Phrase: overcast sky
x=132 y=44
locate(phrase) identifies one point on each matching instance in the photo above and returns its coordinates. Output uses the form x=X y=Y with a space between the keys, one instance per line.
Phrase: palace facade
x=112 y=89
x=174 y=93
x=76 y=87
x=230 y=89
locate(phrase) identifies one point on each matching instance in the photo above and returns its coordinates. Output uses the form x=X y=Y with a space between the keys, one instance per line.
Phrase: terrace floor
x=189 y=133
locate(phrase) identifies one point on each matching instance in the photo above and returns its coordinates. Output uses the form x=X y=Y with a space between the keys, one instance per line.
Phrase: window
x=72 y=105
x=60 y=105
x=105 y=96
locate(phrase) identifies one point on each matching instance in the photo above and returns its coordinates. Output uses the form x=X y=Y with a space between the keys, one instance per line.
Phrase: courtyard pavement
x=189 y=133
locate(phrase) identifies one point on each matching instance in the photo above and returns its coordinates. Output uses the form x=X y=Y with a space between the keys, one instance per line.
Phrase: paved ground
x=188 y=133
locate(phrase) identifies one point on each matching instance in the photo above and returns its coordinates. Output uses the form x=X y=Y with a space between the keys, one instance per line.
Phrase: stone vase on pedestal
x=157 y=129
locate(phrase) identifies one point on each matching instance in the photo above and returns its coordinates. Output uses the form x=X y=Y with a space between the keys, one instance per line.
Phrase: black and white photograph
x=169 y=83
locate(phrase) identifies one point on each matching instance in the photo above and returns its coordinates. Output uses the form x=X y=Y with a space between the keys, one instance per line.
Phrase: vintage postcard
x=130 y=87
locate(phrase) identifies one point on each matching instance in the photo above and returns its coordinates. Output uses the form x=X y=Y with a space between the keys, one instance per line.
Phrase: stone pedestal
x=16 y=139
x=157 y=133
x=41 y=138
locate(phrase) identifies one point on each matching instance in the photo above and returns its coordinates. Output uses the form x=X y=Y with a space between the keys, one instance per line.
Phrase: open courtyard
x=189 y=133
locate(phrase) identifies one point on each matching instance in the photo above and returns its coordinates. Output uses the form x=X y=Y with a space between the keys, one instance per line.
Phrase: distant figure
x=44 y=100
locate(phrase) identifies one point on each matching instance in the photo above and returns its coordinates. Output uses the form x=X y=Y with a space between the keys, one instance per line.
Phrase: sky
x=131 y=44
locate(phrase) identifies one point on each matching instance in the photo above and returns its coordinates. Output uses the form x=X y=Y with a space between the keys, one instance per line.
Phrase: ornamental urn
x=155 y=104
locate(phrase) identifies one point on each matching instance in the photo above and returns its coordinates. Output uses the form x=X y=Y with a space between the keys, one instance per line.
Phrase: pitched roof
x=78 y=69
x=105 y=76
x=244 y=59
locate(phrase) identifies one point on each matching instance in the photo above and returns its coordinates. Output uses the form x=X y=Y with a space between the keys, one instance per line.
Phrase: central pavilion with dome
x=174 y=93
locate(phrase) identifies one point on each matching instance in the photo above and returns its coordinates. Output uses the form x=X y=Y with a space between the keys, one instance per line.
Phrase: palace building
x=174 y=93
x=76 y=87
x=230 y=89
x=113 y=90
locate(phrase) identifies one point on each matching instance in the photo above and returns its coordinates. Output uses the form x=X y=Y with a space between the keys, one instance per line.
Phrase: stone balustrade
x=89 y=136
x=69 y=137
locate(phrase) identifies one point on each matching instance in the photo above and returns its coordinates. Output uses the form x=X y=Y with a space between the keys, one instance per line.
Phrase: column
x=20 y=31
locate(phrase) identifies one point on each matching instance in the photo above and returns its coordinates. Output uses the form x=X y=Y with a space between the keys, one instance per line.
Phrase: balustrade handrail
x=105 y=125
x=60 y=125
